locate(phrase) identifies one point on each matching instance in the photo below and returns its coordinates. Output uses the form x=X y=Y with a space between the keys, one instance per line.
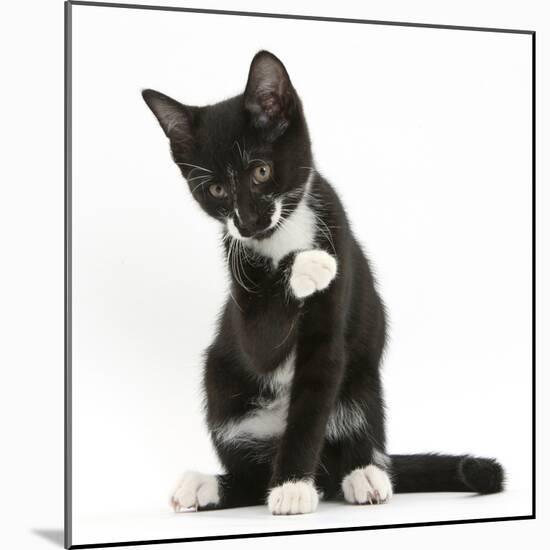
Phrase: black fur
x=435 y=472
x=338 y=334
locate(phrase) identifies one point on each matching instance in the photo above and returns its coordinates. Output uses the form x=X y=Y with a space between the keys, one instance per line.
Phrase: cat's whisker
x=287 y=336
x=284 y=225
x=225 y=238
x=195 y=166
x=240 y=150
x=252 y=161
x=200 y=185
x=321 y=226
x=327 y=233
x=207 y=176
x=246 y=159
x=246 y=256
x=234 y=262
x=240 y=258
x=234 y=300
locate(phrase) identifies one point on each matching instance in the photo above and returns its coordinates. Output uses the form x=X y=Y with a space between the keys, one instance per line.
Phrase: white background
x=426 y=135
x=33 y=346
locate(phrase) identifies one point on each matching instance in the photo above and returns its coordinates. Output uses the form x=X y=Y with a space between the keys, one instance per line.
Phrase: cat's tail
x=422 y=473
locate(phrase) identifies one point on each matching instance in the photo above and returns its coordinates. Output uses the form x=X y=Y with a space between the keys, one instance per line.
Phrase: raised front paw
x=312 y=270
x=293 y=497
x=195 y=490
x=370 y=485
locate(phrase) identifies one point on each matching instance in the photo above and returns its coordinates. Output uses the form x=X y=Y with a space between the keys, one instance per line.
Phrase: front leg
x=318 y=372
x=311 y=271
x=317 y=378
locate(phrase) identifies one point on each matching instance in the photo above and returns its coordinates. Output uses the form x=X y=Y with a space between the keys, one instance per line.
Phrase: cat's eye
x=262 y=173
x=217 y=191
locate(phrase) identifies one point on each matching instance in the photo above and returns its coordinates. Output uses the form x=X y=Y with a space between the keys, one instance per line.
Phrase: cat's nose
x=246 y=230
x=247 y=225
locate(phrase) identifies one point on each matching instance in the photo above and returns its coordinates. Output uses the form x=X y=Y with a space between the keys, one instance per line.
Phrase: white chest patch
x=268 y=420
x=296 y=232
x=280 y=379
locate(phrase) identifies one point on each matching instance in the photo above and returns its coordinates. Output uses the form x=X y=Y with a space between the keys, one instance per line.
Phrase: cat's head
x=246 y=159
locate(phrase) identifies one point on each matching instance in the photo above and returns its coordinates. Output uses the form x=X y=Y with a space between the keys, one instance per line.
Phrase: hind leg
x=213 y=492
x=245 y=484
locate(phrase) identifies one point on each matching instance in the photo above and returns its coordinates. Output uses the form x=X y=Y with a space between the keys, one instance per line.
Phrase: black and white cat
x=292 y=379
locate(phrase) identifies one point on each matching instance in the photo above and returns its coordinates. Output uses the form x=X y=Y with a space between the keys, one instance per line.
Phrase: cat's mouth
x=247 y=235
x=244 y=233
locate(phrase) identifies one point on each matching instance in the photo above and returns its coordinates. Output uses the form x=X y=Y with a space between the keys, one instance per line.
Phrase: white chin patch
x=369 y=485
x=293 y=497
x=195 y=490
x=276 y=216
x=233 y=231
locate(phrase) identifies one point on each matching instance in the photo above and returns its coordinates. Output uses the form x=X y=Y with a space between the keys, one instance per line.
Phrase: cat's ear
x=175 y=119
x=269 y=96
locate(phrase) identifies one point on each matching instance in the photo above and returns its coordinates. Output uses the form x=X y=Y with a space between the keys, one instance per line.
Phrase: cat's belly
x=268 y=419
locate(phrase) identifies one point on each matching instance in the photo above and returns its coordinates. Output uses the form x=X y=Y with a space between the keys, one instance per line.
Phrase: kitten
x=292 y=379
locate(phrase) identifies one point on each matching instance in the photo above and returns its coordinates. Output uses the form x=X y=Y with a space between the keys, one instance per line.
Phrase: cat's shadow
x=55 y=536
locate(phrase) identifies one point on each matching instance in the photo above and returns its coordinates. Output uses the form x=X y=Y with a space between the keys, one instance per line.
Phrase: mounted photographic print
x=299 y=274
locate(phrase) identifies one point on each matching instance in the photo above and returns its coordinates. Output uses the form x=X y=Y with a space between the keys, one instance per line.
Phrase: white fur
x=234 y=232
x=279 y=380
x=266 y=422
x=296 y=232
x=370 y=485
x=312 y=271
x=293 y=497
x=195 y=490
x=345 y=420
x=269 y=419
x=276 y=216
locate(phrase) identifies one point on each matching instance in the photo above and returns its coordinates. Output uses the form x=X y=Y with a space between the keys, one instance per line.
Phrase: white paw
x=369 y=484
x=293 y=497
x=195 y=490
x=312 y=270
